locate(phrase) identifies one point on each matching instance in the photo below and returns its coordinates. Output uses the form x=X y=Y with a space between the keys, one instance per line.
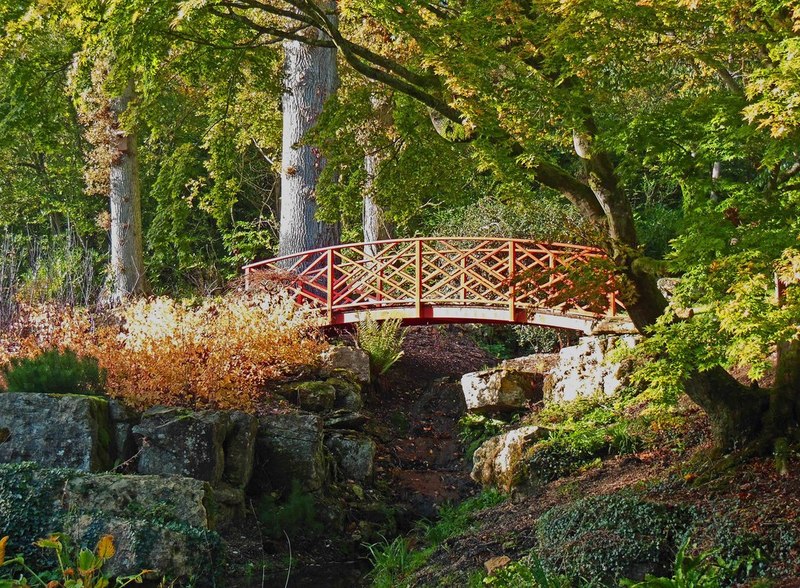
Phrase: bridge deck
x=443 y=280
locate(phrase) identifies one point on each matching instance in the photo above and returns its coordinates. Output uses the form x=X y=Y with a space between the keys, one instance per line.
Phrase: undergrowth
x=394 y=561
x=219 y=353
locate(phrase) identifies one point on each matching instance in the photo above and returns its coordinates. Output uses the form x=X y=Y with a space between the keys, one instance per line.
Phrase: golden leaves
x=221 y=353
x=3 y=543
x=105 y=547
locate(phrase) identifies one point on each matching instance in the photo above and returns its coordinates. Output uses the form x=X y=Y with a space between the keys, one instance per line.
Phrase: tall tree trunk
x=127 y=263
x=373 y=221
x=310 y=77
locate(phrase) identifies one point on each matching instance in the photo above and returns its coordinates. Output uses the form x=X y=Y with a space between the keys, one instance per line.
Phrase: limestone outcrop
x=586 y=370
x=498 y=462
x=497 y=390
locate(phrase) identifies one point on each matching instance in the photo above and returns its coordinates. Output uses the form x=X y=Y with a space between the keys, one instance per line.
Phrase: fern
x=383 y=342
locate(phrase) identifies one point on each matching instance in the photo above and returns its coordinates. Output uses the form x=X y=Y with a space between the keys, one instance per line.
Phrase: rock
x=583 y=370
x=63 y=430
x=175 y=552
x=497 y=461
x=289 y=447
x=538 y=363
x=181 y=442
x=347 y=358
x=614 y=325
x=123 y=419
x=344 y=419
x=170 y=498
x=229 y=502
x=312 y=396
x=497 y=390
x=240 y=449
x=348 y=394
x=354 y=454
x=496 y=563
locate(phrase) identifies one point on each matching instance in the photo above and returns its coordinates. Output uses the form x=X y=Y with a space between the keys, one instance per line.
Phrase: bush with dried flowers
x=218 y=353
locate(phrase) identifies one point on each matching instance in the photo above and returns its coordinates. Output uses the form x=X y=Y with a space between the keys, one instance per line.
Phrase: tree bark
x=373 y=219
x=310 y=78
x=127 y=260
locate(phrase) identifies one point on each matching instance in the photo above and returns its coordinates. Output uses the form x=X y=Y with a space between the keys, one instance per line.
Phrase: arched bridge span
x=450 y=280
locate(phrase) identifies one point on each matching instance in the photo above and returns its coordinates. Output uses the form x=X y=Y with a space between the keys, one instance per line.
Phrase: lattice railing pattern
x=464 y=272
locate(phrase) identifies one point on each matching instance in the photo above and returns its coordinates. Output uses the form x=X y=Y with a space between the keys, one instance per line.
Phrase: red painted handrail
x=453 y=279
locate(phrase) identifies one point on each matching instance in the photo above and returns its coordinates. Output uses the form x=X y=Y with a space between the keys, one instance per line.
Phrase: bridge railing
x=513 y=274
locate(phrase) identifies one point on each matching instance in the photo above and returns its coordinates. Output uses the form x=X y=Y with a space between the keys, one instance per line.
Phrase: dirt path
x=416 y=411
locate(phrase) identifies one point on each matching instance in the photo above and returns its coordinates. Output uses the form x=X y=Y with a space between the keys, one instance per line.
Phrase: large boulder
x=157 y=522
x=169 y=498
x=497 y=390
x=290 y=447
x=189 y=554
x=58 y=430
x=349 y=359
x=585 y=369
x=498 y=461
x=353 y=452
x=174 y=441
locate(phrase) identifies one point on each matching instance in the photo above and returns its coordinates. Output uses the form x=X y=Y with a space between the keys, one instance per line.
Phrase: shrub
x=382 y=341
x=604 y=538
x=55 y=372
x=219 y=353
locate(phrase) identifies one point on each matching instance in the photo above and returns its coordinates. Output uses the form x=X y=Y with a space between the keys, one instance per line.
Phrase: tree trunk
x=373 y=221
x=127 y=265
x=310 y=77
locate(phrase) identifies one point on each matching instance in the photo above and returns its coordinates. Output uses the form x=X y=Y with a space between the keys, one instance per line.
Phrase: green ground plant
x=394 y=561
x=382 y=340
x=77 y=567
x=55 y=372
x=295 y=514
x=474 y=429
x=581 y=432
x=525 y=573
x=705 y=570
x=597 y=540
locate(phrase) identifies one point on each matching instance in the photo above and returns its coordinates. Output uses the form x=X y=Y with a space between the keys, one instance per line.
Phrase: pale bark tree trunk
x=127 y=263
x=310 y=77
x=373 y=219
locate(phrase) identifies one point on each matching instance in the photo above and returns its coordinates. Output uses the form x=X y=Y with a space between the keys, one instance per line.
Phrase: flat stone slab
x=55 y=430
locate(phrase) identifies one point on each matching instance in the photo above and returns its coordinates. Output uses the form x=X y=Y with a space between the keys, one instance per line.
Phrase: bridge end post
x=418 y=269
x=329 y=286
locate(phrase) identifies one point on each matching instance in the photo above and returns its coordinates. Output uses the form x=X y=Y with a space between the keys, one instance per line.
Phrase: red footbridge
x=450 y=280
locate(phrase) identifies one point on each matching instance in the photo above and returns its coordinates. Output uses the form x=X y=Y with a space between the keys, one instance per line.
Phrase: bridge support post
x=512 y=287
x=418 y=269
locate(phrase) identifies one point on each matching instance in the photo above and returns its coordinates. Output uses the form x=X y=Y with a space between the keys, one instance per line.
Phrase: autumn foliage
x=219 y=353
